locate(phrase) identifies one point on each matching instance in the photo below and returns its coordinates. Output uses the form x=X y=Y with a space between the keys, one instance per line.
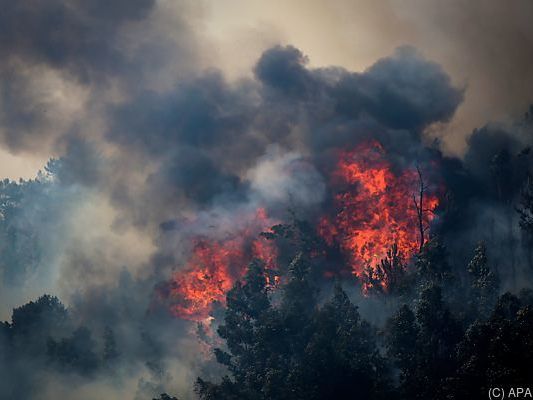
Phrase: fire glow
x=376 y=208
x=215 y=265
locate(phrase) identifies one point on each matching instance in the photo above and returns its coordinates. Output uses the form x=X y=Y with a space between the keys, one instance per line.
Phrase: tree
x=33 y=323
x=75 y=353
x=341 y=357
x=420 y=208
x=247 y=305
x=294 y=349
x=484 y=282
x=388 y=277
x=21 y=244
x=501 y=169
x=402 y=335
x=422 y=345
x=498 y=351
x=432 y=263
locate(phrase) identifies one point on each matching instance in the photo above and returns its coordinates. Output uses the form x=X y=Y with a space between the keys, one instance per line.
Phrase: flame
x=375 y=207
x=214 y=266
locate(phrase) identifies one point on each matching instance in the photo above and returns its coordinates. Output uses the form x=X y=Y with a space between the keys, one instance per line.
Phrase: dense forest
x=418 y=328
x=446 y=337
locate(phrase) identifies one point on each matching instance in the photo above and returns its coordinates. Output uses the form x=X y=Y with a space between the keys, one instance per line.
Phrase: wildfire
x=213 y=268
x=376 y=208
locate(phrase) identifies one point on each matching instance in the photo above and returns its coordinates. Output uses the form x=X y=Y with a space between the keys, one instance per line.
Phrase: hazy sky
x=486 y=46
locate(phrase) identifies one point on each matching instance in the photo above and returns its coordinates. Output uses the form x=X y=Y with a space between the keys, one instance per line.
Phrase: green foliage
x=342 y=354
x=300 y=233
x=33 y=323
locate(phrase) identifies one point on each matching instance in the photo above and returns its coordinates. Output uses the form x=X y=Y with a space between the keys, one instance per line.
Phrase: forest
x=251 y=200
x=296 y=324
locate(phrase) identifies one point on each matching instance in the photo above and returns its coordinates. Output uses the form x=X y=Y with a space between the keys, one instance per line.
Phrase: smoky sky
x=485 y=45
x=152 y=142
x=78 y=36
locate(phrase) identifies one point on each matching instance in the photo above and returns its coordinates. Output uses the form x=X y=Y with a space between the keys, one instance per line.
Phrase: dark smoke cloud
x=207 y=133
x=283 y=70
x=204 y=113
x=78 y=36
x=191 y=157
x=63 y=62
x=404 y=92
x=192 y=175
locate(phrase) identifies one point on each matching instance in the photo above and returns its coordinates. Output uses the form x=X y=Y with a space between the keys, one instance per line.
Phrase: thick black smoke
x=142 y=167
x=65 y=61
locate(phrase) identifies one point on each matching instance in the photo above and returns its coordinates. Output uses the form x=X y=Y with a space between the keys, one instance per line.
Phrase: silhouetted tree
x=484 y=282
x=296 y=349
x=75 y=353
x=33 y=323
x=389 y=276
x=498 y=351
x=432 y=263
x=341 y=357
x=423 y=345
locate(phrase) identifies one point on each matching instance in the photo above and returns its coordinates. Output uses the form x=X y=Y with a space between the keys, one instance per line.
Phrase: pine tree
x=484 y=282
x=247 y=306
x=432 y=264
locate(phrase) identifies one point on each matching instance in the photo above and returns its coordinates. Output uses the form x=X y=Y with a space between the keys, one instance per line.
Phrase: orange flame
x=215 y=266
x=375 y=207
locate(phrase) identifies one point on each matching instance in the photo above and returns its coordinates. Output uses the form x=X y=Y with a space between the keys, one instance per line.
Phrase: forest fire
x=214 y=266
x=376 y=208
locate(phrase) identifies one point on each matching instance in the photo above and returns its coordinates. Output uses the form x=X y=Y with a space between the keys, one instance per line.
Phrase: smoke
x=285 y=179
x=154 y=150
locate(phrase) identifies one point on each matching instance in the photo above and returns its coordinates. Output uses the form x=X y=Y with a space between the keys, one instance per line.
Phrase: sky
x=486 y=46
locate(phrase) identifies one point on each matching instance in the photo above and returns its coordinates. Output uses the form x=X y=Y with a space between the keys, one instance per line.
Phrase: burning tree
x=297 y=349
x=374 y=209
x=421 y=210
